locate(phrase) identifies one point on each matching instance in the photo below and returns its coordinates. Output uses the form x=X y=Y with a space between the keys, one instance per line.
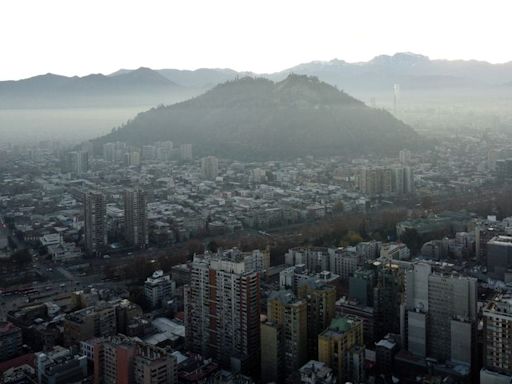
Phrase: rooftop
x=7 y=327
x=340 y=325
x=501 y=240
x=283 y=295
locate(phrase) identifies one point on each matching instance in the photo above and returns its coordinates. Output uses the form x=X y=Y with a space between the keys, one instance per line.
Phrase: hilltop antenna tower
x=396 y=93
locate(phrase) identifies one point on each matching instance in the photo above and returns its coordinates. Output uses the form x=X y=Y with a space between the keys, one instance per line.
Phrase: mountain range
x=256 y=118
x=410 y=71
x=144 y=86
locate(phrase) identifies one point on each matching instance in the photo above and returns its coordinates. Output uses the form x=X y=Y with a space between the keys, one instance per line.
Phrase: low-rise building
x=316 y=372
x=60 y=366
x=159 y=289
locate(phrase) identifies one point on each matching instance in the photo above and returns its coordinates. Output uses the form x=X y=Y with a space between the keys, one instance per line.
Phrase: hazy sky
x=89 y=36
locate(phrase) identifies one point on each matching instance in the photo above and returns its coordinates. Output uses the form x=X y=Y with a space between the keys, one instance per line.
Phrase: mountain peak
x=296 y=78
x=144 y=70
x=410 y=56
x=311 y=89
x=295 y=89
x=145 y=76
x=400 y=58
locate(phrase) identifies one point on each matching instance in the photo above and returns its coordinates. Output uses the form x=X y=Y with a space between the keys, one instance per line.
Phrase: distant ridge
x=144 y=86
x=255 y=118
x=410 y=70
x=141 y=86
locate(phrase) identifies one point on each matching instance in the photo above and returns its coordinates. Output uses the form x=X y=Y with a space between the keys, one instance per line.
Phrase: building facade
x=497 y=317
x=222 y=313
x=321 y=308
x=283 y=336
x=95 y=211
x=210 y=167
x=10 y=340
x=60 y=366
x=135 y=218
x=341 y=347
x=440 y=315
x=158 y=289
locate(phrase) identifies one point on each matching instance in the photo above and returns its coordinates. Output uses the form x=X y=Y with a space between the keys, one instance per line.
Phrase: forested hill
x=255 y=118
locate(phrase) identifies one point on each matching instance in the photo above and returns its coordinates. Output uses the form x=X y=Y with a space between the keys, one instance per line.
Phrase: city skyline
x=342 y=220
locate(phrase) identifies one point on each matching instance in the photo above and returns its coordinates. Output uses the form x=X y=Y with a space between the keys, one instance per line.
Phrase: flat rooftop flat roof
x=501 y=240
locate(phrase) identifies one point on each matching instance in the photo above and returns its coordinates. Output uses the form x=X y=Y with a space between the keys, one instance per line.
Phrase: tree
x=351 y=238
x=338 y=207
x=212 y=246
x=412 y=239
x=194 y=247
x=137 y=296
x=109 y=271
x=427 y=202
x=139 y=269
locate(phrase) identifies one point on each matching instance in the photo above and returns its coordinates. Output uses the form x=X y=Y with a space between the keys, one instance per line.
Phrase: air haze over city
x=262 y=192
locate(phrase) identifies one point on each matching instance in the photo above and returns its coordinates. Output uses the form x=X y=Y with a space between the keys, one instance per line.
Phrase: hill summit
x=255 y=118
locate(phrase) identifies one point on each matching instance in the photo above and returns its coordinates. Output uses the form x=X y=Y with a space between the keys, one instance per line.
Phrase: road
x=59 y=284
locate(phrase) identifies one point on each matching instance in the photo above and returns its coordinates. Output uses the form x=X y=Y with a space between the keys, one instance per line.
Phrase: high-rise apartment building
x=255 y=260
x=135 y=218
x=440 y=315
x=164 y=150
x=272 y=367
x=95 y=210
x=341 y=347
x=395 y=180
x=131 y=158
x=452 y=317
x=283 y=336
x=387 y=298
x=76 y=162
x=113 y=152
x=370 y=181
x=378 y=286
x=109 y=152
x=210 y=167
x=186 y=151
x=222 y=313
x=497 y=316
x=315 y=259
x=344 y=263
x=404 y=156
x=321 y=308
x=361 y=286
x=148 y=152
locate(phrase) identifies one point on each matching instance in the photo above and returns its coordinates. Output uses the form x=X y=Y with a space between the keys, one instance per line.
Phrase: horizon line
x=192 y=69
